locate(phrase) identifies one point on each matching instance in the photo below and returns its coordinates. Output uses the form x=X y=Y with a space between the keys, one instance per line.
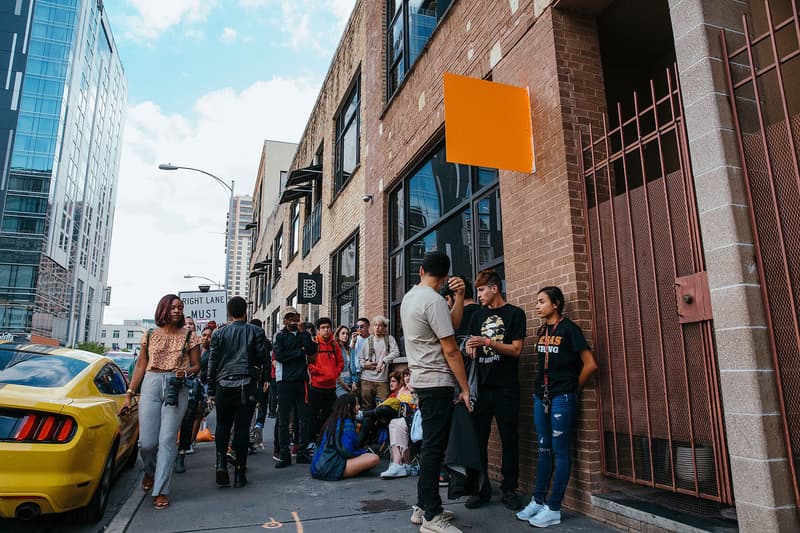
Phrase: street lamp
x=229 y=188
x=217 y=283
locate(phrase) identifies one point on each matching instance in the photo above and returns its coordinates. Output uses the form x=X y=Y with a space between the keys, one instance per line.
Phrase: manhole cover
x=379 y=506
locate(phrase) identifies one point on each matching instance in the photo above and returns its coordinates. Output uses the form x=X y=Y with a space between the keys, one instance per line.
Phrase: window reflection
x=38 y=370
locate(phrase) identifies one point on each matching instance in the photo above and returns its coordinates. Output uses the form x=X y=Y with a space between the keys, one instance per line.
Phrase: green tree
x=91 y=347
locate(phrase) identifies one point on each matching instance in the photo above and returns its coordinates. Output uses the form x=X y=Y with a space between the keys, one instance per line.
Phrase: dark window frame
x=294 y=231
x=399 y=256
x=277 y=250
x=352 y=239
x=343 y=125
x=402 y=15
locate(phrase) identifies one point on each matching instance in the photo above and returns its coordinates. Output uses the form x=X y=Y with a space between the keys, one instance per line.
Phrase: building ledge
x=648 y=508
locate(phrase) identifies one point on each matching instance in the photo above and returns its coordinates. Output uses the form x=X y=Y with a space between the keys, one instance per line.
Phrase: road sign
x=309 y=288
x=205 y=306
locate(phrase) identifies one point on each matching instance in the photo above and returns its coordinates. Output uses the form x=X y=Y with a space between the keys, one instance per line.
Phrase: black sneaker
x=512 y=501
x=475 y=501
x=283 y=462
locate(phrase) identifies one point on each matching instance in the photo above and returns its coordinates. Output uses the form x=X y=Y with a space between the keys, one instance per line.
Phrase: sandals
x=147 y=483
x=160 y=502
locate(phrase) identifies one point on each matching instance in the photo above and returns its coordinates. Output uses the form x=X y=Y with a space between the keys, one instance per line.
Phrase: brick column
x=761 y=479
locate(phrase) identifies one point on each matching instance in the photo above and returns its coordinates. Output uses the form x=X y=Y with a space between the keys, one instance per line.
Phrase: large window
x=447 y=207
x=410 y=24
x=345 y=283
x=348 y=126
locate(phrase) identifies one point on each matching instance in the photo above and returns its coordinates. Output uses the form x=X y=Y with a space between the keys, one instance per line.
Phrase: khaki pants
x=372 y=390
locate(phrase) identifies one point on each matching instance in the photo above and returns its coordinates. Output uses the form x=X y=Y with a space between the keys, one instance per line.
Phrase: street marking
x=297 y=521
x=272 y=524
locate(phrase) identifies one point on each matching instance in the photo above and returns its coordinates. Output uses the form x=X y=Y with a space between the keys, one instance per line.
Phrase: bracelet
x=130 y=392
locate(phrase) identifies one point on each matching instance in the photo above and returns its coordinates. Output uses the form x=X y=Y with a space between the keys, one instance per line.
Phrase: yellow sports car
x=62 y=435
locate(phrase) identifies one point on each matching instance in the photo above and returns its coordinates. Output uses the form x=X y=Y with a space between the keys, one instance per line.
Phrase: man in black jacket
x=238 y=352
x=293 y=349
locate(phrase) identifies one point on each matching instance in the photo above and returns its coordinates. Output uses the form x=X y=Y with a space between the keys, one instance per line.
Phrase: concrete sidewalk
x=291 y=500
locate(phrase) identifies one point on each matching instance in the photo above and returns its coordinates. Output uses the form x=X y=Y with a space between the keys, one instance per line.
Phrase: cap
x=289 y=311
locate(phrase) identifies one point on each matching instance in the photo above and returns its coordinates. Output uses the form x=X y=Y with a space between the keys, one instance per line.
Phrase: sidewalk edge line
x=124 y=516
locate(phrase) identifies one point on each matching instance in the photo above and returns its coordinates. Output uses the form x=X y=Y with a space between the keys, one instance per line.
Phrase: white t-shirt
x=426 y=319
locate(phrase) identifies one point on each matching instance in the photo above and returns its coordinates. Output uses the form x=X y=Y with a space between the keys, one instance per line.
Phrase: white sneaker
x=394 y=470
x=438 y=525
x=545 y=518
x=190 y=451
x=418 y=513
x=530 y=511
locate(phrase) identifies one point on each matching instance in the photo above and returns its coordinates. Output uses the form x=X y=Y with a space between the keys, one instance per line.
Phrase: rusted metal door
x=659 y=402
x=763 y=76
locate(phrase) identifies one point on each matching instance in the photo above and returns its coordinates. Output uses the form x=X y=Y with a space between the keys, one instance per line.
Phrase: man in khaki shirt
x=377 y=352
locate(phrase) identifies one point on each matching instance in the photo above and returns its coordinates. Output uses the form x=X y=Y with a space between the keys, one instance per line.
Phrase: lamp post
x=217 y=283
x=229 y=188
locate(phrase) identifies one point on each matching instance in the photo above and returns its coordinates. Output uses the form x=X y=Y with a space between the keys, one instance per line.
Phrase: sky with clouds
x=208 y=81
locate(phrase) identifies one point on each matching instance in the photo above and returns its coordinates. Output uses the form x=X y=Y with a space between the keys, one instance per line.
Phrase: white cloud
x=168 y=224
x=154 y=17
x=306 y=23
x=228 y=35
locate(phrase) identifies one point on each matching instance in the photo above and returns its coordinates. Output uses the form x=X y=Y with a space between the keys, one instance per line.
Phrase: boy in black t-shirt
x=497 y=331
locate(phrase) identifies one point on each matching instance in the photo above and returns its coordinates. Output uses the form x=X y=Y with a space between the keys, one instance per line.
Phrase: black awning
x=301 y=176
x=255 y=273
x=290 y=194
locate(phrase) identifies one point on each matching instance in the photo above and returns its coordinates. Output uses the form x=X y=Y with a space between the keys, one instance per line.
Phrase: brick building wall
x=342 y=212
x=556 y=54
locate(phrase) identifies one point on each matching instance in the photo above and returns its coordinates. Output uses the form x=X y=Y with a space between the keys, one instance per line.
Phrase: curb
x=121 y=520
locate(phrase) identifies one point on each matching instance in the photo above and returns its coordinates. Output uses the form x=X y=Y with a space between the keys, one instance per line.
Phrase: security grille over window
x=658 y=400
x=763 y=80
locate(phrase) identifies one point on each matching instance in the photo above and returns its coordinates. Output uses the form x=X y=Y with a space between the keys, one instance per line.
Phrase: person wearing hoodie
x=324 y=369
x=293 y=348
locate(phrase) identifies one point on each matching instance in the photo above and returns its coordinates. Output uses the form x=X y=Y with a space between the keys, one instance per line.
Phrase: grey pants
x=158 y=429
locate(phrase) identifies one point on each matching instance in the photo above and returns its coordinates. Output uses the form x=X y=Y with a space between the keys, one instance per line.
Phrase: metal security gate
x=659 y=401
x=763 y=77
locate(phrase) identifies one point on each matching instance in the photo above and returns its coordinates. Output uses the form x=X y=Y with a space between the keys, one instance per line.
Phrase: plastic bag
x=416 y=427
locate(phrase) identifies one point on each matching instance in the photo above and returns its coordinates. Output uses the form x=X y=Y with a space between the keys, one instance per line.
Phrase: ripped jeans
x=555 y=440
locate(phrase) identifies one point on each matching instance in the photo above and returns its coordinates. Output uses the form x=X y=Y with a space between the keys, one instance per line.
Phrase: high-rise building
x=62 y=106
x=238 y=247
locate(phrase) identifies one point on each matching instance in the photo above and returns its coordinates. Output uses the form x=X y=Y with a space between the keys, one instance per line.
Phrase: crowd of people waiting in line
x=337 y=403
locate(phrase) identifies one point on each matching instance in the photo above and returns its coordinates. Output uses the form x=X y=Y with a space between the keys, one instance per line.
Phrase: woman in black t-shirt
x=565 y=364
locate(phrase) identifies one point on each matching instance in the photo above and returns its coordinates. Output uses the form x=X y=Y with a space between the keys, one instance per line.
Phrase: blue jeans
x=555 y=439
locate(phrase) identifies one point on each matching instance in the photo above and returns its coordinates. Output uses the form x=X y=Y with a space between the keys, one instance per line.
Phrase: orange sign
x=487 y=124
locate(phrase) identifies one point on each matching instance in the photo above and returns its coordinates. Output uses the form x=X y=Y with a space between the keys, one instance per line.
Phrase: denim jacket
x=351 y=370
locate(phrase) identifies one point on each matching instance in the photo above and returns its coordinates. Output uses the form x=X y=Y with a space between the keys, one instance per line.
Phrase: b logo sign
x=309 y=288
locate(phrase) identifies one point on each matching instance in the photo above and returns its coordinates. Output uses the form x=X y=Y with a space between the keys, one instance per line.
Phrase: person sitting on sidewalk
x=324 y=369
x=339 y=455
x=374 y=419
x=398 y=431
x=377 y=352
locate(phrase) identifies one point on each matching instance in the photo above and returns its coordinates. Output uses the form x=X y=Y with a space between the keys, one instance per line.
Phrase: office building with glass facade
x=62 y=98
x=237 y=250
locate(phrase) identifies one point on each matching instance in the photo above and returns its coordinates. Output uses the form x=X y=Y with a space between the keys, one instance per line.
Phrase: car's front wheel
x=97 y=506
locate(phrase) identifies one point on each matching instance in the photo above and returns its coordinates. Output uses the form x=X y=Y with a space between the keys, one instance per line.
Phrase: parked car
x=63 y=438
x=125 y=361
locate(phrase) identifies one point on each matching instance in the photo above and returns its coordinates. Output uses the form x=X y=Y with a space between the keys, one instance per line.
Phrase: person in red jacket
x=324 y=369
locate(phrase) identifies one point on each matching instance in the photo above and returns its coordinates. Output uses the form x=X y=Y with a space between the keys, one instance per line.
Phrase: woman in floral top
x=169 y=354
